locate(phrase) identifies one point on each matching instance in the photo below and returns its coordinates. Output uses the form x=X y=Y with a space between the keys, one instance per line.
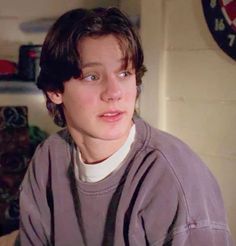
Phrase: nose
x=112 y=90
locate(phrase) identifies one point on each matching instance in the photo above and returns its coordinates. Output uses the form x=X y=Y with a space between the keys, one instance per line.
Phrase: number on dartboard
x=219 y=25
x=220 y=16
x=213 y=3
x=232 y=38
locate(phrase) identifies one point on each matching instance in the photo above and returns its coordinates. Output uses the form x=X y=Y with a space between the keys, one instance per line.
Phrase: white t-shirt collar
x=99 y=171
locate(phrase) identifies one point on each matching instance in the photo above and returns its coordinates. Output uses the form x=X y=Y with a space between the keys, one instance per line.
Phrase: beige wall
x=130 y=7
x=197 y=101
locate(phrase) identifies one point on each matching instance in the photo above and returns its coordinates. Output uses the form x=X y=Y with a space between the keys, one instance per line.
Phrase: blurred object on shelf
x=8 y=69
x=37 y=25
x=28 y=67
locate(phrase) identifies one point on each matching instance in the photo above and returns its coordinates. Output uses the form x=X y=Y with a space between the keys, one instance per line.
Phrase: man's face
x=100 y=104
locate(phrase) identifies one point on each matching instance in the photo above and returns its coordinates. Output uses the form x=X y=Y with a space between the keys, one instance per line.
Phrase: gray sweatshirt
x=162 y=195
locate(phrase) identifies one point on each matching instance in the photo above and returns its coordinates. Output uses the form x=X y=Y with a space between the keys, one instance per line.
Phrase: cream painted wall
x=130 y=7
x=190 y=88
x=152 y=101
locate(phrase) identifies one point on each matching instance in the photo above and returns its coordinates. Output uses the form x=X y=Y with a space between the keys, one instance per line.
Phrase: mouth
x=112 y=116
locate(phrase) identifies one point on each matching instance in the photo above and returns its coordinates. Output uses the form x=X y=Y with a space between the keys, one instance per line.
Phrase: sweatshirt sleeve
x=166 y=224
x=203 y=236
x=185 y=206
x=34 y=210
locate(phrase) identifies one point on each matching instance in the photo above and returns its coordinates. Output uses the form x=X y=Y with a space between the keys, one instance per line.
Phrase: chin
x=116 y=134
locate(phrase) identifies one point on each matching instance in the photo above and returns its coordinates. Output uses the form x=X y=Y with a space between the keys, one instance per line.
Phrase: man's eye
x=91 y=77
x=124 y=74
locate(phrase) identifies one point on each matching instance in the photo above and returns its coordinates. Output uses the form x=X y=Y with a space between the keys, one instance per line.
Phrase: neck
x=95 y=150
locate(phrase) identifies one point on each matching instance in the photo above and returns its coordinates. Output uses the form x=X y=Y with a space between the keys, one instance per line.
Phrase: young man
x=109 y=178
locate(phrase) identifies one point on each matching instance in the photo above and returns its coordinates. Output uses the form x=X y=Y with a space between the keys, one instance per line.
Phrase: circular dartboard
x=220 y=16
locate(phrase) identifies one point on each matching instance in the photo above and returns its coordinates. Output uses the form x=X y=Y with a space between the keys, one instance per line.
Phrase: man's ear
x=55 y=97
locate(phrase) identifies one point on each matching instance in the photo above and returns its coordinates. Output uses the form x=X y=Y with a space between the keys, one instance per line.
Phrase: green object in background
x=36 y=136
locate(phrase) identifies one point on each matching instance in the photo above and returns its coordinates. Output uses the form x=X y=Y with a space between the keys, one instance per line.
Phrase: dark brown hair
x=60 y=60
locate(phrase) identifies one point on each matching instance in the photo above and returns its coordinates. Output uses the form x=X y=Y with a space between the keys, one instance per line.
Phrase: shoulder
x=173 y=154
x=59 y=138
x=183 y=179
x=174 y=150
x=56 y=144
x=51 y=151
x=186 y=171
x=50 y=155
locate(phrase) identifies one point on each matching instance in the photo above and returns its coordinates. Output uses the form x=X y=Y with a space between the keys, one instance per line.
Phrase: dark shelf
x=18 y=87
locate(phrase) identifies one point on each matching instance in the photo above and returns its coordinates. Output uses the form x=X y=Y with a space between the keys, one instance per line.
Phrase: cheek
x=79 y=96
x=131 y=94
x=83 y=99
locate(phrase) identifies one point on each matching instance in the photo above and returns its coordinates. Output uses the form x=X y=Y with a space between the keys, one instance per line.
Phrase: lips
x=112 y=116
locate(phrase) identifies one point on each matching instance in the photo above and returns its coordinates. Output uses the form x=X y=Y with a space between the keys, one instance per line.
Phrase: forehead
x=92 y=48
